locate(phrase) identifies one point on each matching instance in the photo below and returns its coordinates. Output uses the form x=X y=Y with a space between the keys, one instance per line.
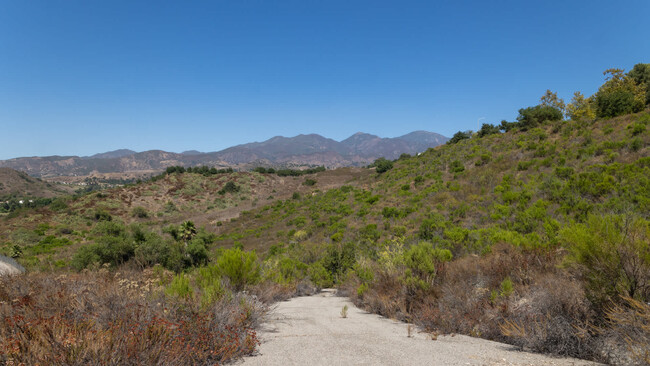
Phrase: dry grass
x=118 y=319
x=547 y=311
x=629 y=326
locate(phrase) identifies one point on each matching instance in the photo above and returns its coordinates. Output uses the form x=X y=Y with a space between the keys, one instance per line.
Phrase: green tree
x=533 y=116
x=619 y=95
x=640 y=73
x=383 y=165
x=459 y=136
x=187 y=231
x=550 y=99
x=488 y=129
x=581 y=107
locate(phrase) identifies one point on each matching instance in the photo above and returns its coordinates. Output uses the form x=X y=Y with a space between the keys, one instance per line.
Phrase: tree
x=487 y=129
x=619 y=95
x=383 y=165
x=459 y=136
x=550 y=99
x=506 y=126
x=640 y=73
x=581 y=107
x=187 y=231
x=533 y=116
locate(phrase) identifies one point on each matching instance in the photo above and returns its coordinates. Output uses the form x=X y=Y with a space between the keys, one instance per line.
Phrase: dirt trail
x=310 y=331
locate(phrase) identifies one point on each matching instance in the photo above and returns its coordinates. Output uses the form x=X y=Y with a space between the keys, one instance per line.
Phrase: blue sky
x=81 y=77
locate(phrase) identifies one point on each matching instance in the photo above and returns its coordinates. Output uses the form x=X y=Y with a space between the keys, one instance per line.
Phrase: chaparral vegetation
x=534 y=232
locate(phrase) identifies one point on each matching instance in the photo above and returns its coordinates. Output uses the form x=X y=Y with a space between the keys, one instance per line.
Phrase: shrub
x=383 y=165
x=319 y=275
x=101 y=215
x=197 y=252
x=431 y=227
x=240 y=267
x=208 y=279
x=229 y=187
x=180 y=287
x=86 y=256
x=339 y=259
x=154 y=250
x=423 y=259
x=612 y=255
x=118 y=319
x=139 y=212
x=456 y=167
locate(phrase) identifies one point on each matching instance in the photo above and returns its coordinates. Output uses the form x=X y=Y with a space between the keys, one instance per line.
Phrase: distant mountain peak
x=191 y=152
x=112 y=154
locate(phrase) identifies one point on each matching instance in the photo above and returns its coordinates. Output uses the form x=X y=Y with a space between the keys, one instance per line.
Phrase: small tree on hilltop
x=383 y=165
x=581 y=107
x=459 y=136
x=640 y=73
x=532 y=116
x=550 y=99
x=619 y=95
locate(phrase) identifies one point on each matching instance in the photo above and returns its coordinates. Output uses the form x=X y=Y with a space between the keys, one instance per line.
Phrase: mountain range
x=302 y=150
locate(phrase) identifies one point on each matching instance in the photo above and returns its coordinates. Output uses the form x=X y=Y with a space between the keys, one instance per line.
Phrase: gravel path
x=8 y=266
x=310 y=331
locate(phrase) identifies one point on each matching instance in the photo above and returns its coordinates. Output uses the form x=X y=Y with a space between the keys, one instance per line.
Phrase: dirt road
x=310 y=331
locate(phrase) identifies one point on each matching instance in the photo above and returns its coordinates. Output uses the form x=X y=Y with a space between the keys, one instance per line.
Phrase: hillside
x=298 y=151
x=486 y=235
x=20 y=185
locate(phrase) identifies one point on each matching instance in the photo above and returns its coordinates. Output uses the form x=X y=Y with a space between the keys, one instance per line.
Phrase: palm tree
x=188 y=230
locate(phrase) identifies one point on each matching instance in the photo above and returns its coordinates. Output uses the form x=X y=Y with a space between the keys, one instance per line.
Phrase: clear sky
x=82 y=77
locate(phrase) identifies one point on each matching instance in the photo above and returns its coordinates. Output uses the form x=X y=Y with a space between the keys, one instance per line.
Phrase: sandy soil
x=311 y=331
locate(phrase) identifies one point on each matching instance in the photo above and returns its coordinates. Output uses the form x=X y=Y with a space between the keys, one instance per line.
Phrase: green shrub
x=339 y=259
x=636 y=144
x=139 y=212
x=241 y=268
x=319 y=275
x=86 y=256
x=423 y=259
x=180 y=287
x=432 y=227
x=208 y=279
x=638 y=128
x=154 y=250
x=369 y=232
x=58 y=205
x=383 y=165
x=197 y=252
x=456 y=166
x=612 y=255
x=506 y=287
x=101 y=215
x=229 y=187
